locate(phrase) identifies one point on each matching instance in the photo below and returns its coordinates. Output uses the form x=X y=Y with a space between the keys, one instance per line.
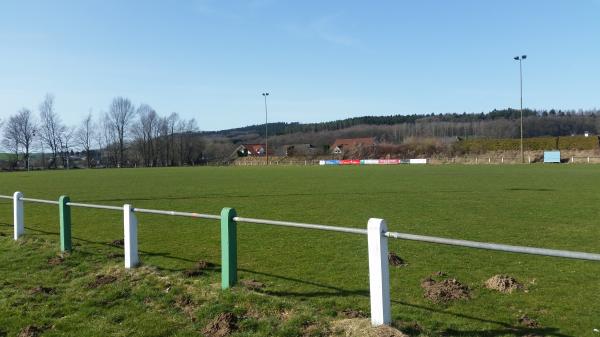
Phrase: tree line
x=127 y=135
x=124 y=136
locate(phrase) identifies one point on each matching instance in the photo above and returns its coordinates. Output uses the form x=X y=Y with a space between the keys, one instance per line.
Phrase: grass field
x=534 y=205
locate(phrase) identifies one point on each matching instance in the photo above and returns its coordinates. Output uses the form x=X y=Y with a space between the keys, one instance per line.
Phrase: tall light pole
x=265 y=94
x=520 y=59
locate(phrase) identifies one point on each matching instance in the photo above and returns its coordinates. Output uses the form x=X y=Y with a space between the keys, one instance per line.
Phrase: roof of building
x=254 y=149
x=353 y=142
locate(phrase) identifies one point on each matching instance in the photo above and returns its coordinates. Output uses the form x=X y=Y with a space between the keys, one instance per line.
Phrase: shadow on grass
x=269 y=195
x=531 y=189
x=333 y=291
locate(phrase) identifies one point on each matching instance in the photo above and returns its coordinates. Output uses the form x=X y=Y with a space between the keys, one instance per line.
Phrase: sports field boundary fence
x=376 y=232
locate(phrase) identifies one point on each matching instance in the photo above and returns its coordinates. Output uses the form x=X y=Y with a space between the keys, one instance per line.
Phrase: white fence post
x=18 y=221
x=379 y=276
x=130 y=237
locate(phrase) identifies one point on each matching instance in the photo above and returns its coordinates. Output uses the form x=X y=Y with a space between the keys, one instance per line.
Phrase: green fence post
x=228 y=248
x=65 y=223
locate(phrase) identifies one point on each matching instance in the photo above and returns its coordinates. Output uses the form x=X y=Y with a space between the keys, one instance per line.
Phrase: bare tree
x=51 y=127
x=65 y=145
x=84 y=137
x=120 y=113
x=11 y=140
x=144 y=131
x=26 y=131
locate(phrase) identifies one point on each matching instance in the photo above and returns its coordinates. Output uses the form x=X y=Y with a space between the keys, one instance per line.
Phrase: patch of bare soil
x=353 y=313
x=114 y=255
x=528 y=322
x=503 y=283
x=187 y=305
x=252 y=284
x=222 y=326
x=120 y=243
x=56 y=260
x=361 y=327
x=310 y=328
x=102 y=280
x=42 y=290
x=444 y=290
x=198 y=269
x=31 y=331
x=396 y=260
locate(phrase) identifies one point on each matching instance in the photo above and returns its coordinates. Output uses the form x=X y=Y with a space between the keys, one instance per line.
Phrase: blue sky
x=320 y=60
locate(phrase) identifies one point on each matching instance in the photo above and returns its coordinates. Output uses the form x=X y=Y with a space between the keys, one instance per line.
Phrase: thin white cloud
x=326 y=28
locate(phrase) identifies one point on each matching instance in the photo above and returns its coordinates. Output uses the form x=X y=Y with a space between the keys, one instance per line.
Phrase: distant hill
x=538 y=123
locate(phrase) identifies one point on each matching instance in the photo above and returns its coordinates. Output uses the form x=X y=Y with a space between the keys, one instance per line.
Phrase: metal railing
x=376 y=232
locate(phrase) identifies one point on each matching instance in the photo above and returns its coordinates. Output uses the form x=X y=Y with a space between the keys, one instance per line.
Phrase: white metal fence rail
x=377 y=236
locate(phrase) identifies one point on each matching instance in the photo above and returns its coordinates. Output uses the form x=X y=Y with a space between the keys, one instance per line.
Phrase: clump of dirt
x=361 y=327
x=396 y=260
x=42 y=290
x=252 y=284
x=31 y=331
x=120 y=243
x=528 y=322
x=56 y=260
x=114 y=255
x=444 y=290
x=198 y=269
x=310 y=328
x=503 y=284
x=353 y=313
x=186 y=304
x=102 y=280
x=221 y=326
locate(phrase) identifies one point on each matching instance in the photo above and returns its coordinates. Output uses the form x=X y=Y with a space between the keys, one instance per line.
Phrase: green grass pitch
x=533 y=205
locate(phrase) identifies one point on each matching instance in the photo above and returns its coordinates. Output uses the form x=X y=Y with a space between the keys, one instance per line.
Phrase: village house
x=347 y=145
x=251 y=150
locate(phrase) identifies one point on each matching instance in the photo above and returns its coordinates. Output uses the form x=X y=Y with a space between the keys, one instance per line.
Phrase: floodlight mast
x=520 y=59
x=265 y=94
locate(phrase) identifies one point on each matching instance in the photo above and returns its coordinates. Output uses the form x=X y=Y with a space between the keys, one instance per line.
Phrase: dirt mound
x=503 y=284
x=120 y=243
x=222 y=326
x=528 y=322
x=252 y=284
x=198 y=269
x=102 y=280
x=31 y=331
x=444 y=290
x=396 y=260
x=114 y=255
x=361 y=327
x=353 y=313
x=56 y=260
x=187 y=305
x=42 y=290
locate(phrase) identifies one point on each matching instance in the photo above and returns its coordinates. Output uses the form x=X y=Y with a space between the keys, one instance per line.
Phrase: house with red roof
x=346 y=145
x=251 y=150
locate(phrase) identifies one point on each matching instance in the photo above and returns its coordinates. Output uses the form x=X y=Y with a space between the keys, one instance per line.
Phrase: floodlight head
x=524 y=57
x=265 y=94
x=516 y=58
